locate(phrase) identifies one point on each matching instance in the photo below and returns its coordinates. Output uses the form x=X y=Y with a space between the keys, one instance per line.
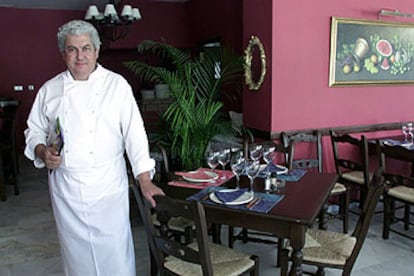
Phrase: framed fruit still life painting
x=367 y=52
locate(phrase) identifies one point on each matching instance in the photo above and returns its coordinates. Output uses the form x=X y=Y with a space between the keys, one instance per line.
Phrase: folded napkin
x=293 y=175
x=229 y=196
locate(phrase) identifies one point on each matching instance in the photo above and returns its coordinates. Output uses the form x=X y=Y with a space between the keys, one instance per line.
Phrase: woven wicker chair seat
x=225 y=262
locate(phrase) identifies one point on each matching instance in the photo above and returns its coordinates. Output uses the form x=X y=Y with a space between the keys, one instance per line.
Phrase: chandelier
x=109 y=24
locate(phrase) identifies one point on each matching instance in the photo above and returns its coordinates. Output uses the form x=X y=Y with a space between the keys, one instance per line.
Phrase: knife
x=253 y=203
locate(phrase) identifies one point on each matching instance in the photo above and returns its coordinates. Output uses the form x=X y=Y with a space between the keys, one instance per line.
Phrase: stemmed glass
x=252 y=170
x=212 y=160
x=237 y=164
x=268 y=155
x=255 y=151
x=404 y=129
x=223 y=159
x=410 y=132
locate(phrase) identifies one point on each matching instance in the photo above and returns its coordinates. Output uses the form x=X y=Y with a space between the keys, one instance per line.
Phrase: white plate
x=209 y=176
x=281 y=169
x=244 y=198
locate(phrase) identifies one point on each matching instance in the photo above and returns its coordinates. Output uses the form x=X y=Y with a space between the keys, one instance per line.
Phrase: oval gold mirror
x=255 y=63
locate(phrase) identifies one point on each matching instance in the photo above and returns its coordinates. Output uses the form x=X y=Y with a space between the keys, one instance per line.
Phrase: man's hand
x=148 y=188
x=49 y=155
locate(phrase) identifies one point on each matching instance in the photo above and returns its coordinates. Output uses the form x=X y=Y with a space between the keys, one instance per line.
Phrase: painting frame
x=370 y=52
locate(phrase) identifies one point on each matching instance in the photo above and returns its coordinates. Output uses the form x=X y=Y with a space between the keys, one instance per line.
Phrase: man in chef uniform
x=79 y=127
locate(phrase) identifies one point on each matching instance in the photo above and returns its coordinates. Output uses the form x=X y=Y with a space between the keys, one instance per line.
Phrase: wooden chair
x=352 y=172
x=315 y=141
x=314 y=161
x=182 y=229
x=200 y=257
x=339 y=250
x=398 y=193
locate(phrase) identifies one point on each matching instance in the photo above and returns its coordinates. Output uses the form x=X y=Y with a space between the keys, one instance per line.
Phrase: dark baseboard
x=266 y=135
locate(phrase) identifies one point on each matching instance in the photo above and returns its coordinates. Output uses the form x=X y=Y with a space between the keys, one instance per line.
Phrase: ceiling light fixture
x=109 y=24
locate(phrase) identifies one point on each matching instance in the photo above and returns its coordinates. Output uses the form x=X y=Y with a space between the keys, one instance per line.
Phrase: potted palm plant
x=196 y=114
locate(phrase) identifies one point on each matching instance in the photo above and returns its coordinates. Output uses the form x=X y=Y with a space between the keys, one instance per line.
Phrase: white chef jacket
x=99 y=119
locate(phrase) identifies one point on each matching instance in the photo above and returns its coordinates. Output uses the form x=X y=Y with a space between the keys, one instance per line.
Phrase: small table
x=289 y=219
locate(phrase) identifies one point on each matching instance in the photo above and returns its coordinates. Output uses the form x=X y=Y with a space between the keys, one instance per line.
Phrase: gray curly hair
x=77 y=27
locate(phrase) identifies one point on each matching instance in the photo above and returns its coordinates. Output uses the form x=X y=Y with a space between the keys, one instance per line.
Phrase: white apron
x=92 y=218
x=89 y=191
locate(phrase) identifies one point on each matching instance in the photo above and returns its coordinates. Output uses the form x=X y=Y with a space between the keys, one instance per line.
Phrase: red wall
x=257 y=105
x=295 y=94
x=295 y=34
x=217 y=19
x=29 y=53
x=299 y=71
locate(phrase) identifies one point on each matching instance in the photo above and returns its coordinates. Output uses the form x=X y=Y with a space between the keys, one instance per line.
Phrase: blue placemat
x=266 y=203
x=270 y=169
x=293 y=175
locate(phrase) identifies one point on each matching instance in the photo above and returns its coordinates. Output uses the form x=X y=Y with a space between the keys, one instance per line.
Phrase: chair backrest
x=285 y=152
x=160 y=241
x=160 y=155
x=375 y=190
x=386 y=152
x=343 y=162
x=314 y=139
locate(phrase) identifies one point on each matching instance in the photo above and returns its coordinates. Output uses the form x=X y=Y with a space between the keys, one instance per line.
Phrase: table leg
x=297 y=242
x=323 y=217
x=216 y=233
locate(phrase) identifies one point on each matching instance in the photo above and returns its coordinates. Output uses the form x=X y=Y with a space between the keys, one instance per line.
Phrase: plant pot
x=162 y=91
x=147 y=94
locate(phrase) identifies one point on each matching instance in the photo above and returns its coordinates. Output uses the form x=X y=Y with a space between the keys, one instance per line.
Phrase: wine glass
x=252 y=170
x=268 y=155
x=404 y=129
x=223 y=159
x=255 y=151
x=212 y=160
x=410 y=131
x=237 y=163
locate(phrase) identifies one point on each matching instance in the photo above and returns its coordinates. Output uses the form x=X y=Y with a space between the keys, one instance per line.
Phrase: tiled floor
x=29 y=245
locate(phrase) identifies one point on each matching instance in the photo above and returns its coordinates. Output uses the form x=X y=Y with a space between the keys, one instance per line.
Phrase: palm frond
x=195 y=116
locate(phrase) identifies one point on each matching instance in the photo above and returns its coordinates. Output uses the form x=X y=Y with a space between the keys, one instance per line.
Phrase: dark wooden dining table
x=289 y=219
x=405 y=154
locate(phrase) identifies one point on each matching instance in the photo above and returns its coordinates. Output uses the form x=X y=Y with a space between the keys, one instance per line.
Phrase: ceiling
x=61 y=4
x=52 y=4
